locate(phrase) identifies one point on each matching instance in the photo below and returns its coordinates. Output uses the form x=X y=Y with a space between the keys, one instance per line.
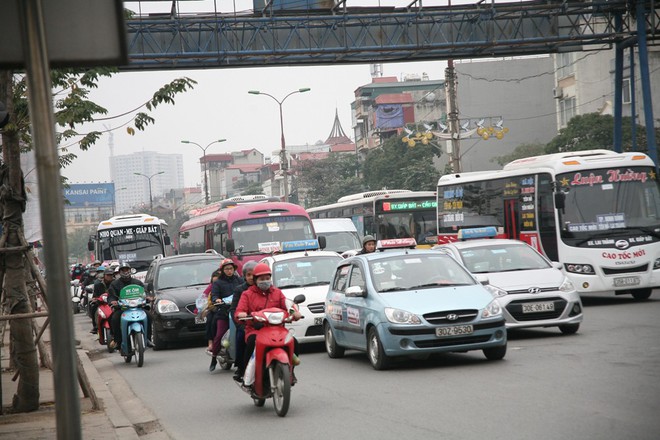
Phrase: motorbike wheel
x=258 y=402
x=138 y=343
x=106 y=338
x=281 y=388
x=76 y=308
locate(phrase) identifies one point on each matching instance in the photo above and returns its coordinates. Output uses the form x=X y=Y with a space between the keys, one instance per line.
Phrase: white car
x=308 y=273
x=532 y=290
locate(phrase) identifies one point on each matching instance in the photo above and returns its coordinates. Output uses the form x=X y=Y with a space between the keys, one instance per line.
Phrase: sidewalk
x=108 y=422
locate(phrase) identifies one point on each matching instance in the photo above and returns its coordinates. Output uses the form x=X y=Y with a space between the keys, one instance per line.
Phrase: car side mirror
x=356 y=292
x=229 y=245
x=557 y=265
x=482 y=279
x=560 y=200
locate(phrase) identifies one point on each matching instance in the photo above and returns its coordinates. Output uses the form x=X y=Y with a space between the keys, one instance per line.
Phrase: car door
x=356 y=308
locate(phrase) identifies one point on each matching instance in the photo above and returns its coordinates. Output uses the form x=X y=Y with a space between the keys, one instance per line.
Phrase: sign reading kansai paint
x=81 y=195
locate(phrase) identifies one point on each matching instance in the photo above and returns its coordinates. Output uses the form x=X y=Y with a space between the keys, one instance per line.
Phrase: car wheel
x=379 y=360
x=495 y=353
x=334 y=351
x=159 y=343
x=641 y=294
x=569 y=329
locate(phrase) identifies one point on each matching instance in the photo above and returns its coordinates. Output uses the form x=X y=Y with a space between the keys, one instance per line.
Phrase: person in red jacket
x=259 y=296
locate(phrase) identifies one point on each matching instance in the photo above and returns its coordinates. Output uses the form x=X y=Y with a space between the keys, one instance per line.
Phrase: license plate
x=455 y=330
x=318 y=321
x=626 y=281
x=199 y=320
x=538 y=307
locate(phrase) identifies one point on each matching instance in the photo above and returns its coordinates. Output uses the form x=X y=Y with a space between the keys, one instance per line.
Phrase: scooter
x=75 y=297
x=272 y=359
x=133 y=303
x=103 y=313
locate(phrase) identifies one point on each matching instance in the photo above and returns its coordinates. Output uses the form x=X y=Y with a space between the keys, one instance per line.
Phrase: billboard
x=89 y=195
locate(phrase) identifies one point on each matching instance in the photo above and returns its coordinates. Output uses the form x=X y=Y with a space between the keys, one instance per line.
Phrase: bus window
x=220 y=238
x=191 y=241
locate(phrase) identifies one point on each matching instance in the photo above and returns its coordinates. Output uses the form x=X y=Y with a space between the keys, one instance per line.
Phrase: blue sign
x=93 y=195
x=300 y=245
x=472 y=233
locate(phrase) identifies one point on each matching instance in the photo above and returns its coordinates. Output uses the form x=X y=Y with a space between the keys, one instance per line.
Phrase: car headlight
x=398 y=316
x=492 y=310
x=167 y=306
x=566 y=286
x=656 y=264
x=495 y=291
x=586 y=269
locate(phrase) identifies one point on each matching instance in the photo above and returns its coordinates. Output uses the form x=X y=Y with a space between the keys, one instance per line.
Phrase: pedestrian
x=223 y=288
x=368 y=245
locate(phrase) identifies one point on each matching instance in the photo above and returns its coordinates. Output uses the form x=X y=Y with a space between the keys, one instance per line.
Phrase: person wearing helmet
x=259 y=296
x=125 y=278
x=248 y=275
x=368 y=245
x=100 y=287
x=223 y=288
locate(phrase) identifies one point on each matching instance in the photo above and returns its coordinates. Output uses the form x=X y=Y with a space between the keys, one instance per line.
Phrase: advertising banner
x=82 y=195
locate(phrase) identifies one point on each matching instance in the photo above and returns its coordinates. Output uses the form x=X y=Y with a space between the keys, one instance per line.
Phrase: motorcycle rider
x=368 y=245
x=248 y=275
x=222 y=288
x=125 y=279
x=259 y=296
x=100 y=287
x=89 y=276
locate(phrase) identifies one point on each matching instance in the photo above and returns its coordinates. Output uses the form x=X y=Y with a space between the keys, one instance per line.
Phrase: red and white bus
x=597 y=212
x=244 y=230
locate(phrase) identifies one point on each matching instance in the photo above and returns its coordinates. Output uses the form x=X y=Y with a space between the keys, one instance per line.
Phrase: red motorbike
x=103 y=313
x=272 y=359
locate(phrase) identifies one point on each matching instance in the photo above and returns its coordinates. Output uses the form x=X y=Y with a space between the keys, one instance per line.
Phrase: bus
x=134 y=238
x=245 y=228
x=596 y=212
x=387 y=214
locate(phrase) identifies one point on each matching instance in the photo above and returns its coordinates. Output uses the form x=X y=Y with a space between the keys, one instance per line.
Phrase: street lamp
x=114 y=200
x=206 y=183
x=151 y=200
x=283 y=160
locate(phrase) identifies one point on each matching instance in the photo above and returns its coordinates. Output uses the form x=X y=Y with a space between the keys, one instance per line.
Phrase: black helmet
x=125 y=274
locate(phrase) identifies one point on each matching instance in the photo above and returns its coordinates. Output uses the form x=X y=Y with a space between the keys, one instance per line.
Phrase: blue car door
x=356 y=309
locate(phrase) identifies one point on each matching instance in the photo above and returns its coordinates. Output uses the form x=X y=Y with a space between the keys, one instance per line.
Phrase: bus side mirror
x=229 y=245
x=90 y=245
x=560 y=200
x=322 y=243
x=167 y=240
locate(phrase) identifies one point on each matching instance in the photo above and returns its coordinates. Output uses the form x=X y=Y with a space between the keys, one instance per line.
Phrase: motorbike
x=272 y=359
x=133 y=303
x=75 y=296
x=85 y=297
x=103 y=313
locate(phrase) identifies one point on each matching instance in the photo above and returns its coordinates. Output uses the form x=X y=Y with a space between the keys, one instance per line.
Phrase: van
x=340 y=233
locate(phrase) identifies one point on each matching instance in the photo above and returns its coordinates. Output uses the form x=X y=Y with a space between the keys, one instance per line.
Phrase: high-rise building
x=132 y=190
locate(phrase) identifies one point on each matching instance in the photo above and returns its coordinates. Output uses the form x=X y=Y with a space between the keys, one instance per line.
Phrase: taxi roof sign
x=300 y=245
x=474 y=233
x=396 y=243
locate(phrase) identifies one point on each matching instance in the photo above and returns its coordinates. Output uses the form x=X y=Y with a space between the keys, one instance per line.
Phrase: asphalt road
x=602 y=383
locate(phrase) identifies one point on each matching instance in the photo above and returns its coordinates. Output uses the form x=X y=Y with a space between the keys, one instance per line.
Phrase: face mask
x=264 y=285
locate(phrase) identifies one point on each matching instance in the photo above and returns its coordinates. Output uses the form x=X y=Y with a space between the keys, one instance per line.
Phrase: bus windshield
x=134 y=244
x=262 y=235
x=611 y=199
x=407 y=218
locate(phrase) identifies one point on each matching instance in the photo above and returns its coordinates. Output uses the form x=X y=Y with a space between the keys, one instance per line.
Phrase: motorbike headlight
x=566 y=286
x=495 y=291
x=397 y=316
x=275 y=318
x=492 y=310
x=167 y=306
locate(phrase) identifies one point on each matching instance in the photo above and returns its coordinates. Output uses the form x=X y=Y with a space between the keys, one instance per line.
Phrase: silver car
x=532 y=291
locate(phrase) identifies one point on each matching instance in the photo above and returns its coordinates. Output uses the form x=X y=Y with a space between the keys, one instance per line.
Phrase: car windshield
x=417 y=271
x=502 y=258
x=305 y=271
x=186 y=273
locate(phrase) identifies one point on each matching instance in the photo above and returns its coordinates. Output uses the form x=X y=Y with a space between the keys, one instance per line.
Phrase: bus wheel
x=641 y=294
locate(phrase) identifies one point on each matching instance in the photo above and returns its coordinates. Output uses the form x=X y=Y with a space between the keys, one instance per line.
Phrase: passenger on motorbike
x=210 y=312
x=100 y=287
x=248 y=275
x=222 y=288
x=261 y=295
x=124 y=280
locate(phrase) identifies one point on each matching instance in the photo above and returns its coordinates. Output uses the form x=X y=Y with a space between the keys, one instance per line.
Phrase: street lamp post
x=151 y=200
x=283 y=160
x=206 y=183
x=114 y=200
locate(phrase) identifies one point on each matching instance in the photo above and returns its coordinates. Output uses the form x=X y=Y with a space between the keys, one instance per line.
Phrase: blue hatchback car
x=408 y=302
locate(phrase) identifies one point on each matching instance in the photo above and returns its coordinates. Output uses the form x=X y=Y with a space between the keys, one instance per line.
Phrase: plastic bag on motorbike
x=226 y=342
x=200 y=303
x=248 y=376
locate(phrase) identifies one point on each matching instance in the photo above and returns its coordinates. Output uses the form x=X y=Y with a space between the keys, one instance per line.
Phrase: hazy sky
x=220 y=107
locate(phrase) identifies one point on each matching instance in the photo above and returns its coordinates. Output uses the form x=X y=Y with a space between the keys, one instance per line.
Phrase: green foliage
x=77 y=243
x=522 y=150
x=326 y=180
x=397 y=166
x=250 y=188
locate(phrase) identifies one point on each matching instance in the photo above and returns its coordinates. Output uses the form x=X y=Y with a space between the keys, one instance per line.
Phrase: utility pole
x=452 y=117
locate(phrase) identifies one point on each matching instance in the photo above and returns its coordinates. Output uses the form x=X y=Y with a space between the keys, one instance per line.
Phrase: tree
x=396 y=165
x=72 y=109
x=248 y=188
x=321 y=182
x=522 y=150
x=77 y=242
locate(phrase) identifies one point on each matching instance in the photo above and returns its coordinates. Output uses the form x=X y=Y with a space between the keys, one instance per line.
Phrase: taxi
x=532 y=291
x=400 y=301
x=301 y=268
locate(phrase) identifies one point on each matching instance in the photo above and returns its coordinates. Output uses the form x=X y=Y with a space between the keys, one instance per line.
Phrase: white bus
x=387 y=214
x=135 y=238
x=597 y=212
